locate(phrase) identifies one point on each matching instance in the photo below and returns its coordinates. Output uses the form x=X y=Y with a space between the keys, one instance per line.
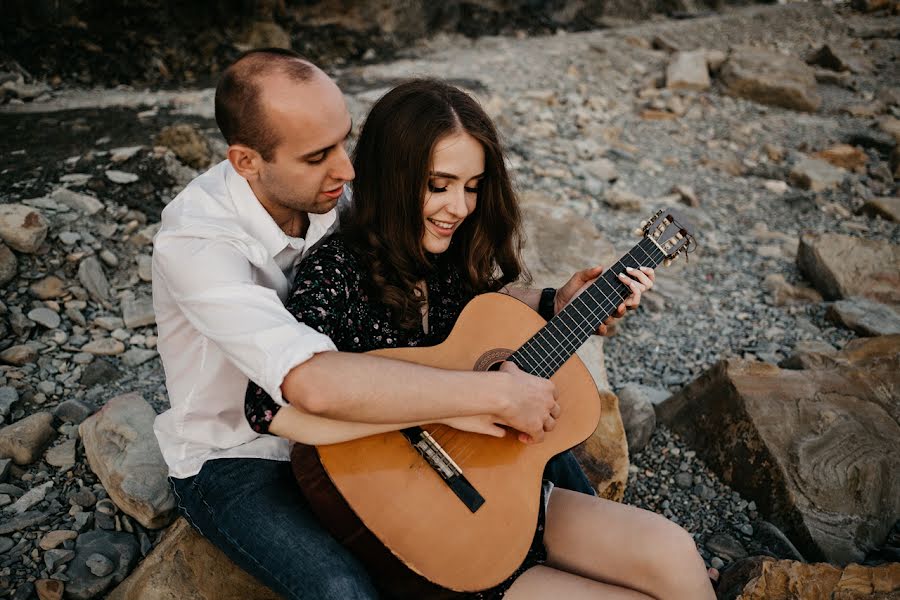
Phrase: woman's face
x=457 y=166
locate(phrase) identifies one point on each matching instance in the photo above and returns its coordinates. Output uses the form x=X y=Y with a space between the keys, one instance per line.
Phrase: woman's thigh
x=617 y=544
x=541 y=582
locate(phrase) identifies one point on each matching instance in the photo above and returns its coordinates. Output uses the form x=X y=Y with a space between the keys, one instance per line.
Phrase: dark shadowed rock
x=9 y=264
x=121 y=549
x=186 y=142
x=99 y=371
x=817 y=450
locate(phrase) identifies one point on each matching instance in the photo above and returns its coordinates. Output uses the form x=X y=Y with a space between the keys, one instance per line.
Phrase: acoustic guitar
x=431 y=509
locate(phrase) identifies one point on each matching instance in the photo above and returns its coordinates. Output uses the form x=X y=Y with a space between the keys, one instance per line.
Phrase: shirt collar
x=260 y=224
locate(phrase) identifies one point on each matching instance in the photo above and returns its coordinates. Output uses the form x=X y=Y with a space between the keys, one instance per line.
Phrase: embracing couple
x=270 y=281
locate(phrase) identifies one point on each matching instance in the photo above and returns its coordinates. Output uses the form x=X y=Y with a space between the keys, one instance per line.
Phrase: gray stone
x=144 y=267
x=120 y=548
x=45 y=317
x=770 y=78
x=5 y=464
x=688 y=71
x=816 y=174
x=123 y=452
x=80 y=202
x=137 y=356
x=638 y=414
x=84 y=498
x=726 y=546
x=22 y=228
x=104 y=347
x=137 y=312
x=19 y=355
x=63 y=455
x=602 y=169
x=9 y=264
x=69 y=238
x=73 y=410
x=5 y=544
x=99 y=565
x=8 y=397
x=83 y=521
x=30 y=498
x=23 y=521
x=99 y=371
x=56 y=557
x=109 y=323
x=886 y=208
x=92 y=277
x=26 y=439
x=865 y=317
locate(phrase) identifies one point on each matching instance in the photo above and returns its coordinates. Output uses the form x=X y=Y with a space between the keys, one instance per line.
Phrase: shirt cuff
x=280 y=367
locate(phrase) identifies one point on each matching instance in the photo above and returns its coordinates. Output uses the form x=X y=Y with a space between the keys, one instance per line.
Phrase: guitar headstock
x=671 y=232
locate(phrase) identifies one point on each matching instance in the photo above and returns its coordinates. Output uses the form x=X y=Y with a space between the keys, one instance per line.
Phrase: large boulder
x=817 y=450
x=122 y=450
x=768 y=77
x=185 y=566
x=842 y=266
x=791 y=580
x=604 y=455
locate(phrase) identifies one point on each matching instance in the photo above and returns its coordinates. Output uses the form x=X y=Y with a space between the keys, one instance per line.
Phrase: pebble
x=104 y=347
x=121 y=177
x=45 y=317
x=53 y=539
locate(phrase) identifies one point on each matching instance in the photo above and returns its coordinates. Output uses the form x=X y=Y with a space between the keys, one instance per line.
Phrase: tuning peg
x=639 y=232
x=668 y=262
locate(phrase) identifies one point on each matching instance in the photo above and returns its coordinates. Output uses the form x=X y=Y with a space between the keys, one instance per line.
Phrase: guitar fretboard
x=558 y=340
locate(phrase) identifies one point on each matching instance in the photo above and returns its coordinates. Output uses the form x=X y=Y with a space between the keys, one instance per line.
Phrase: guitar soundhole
x=492 y=359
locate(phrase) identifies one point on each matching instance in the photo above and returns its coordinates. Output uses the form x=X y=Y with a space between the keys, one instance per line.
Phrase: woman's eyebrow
x=452 y=176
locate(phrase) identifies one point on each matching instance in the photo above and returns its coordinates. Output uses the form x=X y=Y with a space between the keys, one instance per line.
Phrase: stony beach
x=601 y=131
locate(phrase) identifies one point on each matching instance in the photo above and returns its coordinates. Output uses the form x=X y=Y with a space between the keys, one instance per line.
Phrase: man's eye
x=316 y=158
x=434 y=189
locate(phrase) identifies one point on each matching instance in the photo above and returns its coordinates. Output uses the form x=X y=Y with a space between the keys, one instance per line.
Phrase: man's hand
x=529 y=407
x=638 y=280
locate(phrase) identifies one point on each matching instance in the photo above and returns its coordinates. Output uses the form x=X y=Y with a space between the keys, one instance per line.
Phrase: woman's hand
x=638 y=280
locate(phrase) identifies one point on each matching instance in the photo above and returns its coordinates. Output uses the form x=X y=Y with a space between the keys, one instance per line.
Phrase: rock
x=80 y=202
x=137 y=312
x=9 y=264
x=842 y=266
x=725 y=546
x=771 y=541
x=8 y=397
x=104 y=347
x=688 y=71
x=99 y=371
x=22 y=521
x=122 y=450
x=92 y=277
x=844 y=156
x=57 y=557
x=5 y=544
x=63 y=455
x=121 y=177
x=75 y=411
x=22 y=228
x=886 y=208
x=45 y=317
x=144 y=268
x=865 y=317
x=809 y=355
x=868 y=6
x=185 y=565
x=686 y=195
x=621 y=199
x=818 y=450
x=99 y=565
x=123 y=154
x=789 y=580
x=604 y=455
x=48 y=288
x=134 y=357
x=49 y=589
x=25 y=440
x=715 y=59
x=890 y=126
x=840 y=59
x=636 y=404
x=144 y=237
x=870 y=138
x=264 y=34
x=770 y=78
x=52 y=539
x=5 y=464
x=186 y=142
x=121 y=549
x=816 y=175
x=784 y=293
x=895 y=163
x=30 y=498
x=602 y=169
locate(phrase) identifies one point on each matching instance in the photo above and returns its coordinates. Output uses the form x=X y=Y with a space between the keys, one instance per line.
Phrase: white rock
x=80 y=202
x=76 y=178
x=688 y=71
x=30 y=498
x=121 y=177
x=118 y=155
x=137 y=312
x=22 y=228
x=776 y=186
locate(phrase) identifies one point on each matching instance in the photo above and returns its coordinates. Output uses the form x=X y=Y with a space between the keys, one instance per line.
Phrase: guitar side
x=404 y=502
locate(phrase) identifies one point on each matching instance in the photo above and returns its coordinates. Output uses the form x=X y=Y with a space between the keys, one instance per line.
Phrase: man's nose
x=342 y=168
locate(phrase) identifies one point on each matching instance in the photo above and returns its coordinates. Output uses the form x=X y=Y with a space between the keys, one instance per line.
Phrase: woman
x=435 y=222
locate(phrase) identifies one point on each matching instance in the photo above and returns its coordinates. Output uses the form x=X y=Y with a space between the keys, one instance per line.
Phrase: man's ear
x=245 y=160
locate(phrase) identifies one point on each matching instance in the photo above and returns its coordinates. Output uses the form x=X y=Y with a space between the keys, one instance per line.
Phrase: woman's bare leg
x=624 y=546
x=541 y=582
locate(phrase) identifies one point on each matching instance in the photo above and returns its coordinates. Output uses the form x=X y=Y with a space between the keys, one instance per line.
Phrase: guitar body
x=402 y=500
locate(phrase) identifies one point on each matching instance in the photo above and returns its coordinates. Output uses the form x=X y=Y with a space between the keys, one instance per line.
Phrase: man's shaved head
x=240 y=113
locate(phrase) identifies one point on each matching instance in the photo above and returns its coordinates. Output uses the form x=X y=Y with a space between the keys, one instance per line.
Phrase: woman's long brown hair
x=385 y=226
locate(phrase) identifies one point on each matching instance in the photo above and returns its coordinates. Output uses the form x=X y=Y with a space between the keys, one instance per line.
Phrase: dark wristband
x=545 y=306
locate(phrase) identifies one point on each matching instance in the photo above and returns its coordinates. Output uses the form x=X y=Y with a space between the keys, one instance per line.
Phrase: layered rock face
x=818 y=449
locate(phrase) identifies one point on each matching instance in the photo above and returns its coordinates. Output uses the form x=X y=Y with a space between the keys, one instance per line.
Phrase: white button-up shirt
x=222 y=270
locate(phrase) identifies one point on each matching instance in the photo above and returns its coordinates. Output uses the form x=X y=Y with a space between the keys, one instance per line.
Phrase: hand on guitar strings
x=638 y=280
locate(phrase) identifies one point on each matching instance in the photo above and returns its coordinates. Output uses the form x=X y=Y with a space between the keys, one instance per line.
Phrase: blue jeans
x=254 y=512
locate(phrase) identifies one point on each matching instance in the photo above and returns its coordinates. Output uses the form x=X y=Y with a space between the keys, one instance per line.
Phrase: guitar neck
x=558 y=340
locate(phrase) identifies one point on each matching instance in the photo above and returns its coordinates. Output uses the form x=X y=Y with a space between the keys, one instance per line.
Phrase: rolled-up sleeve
x=212 y=284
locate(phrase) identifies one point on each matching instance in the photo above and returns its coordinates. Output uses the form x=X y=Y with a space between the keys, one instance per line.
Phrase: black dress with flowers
x=330 y=295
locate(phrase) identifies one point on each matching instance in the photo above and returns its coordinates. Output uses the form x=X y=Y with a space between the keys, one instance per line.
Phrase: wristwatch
x=545 y=306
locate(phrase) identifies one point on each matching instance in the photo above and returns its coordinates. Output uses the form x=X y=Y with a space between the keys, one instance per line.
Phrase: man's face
x=310 y=165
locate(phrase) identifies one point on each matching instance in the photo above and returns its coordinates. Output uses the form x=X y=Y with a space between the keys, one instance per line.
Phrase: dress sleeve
x=320 y=300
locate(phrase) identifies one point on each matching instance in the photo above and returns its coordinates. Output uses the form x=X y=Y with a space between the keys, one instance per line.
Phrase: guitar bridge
x=438 y=459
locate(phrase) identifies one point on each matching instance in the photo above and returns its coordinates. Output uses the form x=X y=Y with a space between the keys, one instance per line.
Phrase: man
x=222 y=265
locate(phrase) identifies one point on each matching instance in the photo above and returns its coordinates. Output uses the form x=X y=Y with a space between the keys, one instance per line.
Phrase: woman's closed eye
x=434 y=189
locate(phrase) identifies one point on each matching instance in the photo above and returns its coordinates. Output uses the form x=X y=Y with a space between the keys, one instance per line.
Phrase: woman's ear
x=245 y=160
